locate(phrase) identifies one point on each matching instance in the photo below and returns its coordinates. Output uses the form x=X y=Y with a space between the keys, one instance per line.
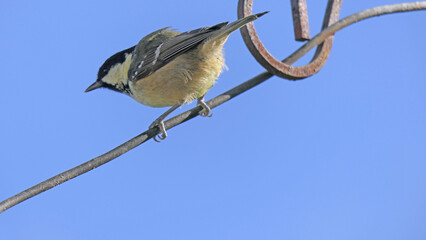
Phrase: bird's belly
x=178 y=82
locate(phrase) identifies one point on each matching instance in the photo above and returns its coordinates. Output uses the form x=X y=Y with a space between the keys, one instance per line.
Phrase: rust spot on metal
x=299 y=11
x=277 y=67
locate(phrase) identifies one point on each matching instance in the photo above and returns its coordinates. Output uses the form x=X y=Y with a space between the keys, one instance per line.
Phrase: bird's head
x=113 y=73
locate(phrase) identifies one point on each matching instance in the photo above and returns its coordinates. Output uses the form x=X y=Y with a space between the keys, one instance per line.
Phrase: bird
x=169 y=69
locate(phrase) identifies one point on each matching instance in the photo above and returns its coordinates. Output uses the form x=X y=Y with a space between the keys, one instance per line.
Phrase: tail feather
x=233 y=26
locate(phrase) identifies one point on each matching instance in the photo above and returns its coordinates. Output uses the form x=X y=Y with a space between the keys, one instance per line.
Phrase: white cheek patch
x=117 y=75
x=114 y=75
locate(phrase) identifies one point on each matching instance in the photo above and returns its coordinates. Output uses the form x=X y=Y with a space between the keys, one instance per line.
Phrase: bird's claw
x=162 y=128
x=206 y=112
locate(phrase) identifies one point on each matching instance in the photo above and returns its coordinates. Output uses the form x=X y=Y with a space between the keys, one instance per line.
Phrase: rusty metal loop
x=277 y=67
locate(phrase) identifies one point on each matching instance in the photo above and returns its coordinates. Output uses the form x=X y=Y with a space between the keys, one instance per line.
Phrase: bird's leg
x=159 y=122
x=206 y=112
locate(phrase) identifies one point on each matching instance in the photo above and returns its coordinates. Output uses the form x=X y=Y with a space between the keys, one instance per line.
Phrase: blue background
x=340 y=155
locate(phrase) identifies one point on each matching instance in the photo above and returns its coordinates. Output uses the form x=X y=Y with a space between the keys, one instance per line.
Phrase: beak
x=95 y=85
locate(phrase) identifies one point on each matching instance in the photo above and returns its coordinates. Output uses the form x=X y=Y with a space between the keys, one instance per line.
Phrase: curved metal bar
x=277 y=67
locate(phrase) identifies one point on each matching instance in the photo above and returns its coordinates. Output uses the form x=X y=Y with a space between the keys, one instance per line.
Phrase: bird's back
x=145 y=50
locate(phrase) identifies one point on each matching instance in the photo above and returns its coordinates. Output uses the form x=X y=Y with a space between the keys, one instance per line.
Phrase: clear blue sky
x=340 y=155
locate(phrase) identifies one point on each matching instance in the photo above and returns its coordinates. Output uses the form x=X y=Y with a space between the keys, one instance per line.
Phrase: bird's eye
x=105 y=70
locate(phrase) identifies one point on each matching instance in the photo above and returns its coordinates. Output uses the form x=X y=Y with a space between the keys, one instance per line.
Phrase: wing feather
x=169 y=45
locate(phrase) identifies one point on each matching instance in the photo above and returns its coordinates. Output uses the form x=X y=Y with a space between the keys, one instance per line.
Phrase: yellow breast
x=187 y=77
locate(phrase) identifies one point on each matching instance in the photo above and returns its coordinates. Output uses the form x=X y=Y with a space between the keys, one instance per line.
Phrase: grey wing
x=150 y=60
